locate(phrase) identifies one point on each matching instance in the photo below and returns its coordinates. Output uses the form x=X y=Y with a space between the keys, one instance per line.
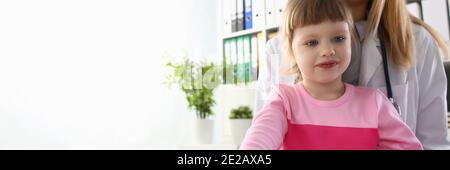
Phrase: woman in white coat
x=415 y=63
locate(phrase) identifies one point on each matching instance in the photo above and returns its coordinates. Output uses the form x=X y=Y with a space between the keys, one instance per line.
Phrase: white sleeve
x=268 y=73
x=432 y=110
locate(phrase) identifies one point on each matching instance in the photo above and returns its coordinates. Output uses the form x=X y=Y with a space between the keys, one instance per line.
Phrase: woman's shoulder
x=275 y=41
x=426 y=46
x=273 y=46
x=421 y=34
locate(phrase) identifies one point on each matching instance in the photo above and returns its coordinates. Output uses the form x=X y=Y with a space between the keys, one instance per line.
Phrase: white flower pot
x=204 y=129
x=239 y=128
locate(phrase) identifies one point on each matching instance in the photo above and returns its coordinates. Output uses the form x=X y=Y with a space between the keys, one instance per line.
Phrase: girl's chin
x=326 y=80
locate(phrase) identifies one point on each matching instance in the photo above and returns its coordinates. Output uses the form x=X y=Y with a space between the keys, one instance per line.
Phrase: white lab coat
x=420 y=91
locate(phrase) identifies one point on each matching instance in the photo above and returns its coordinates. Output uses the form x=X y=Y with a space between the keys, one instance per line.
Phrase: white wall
x=88 y=73
x=414 y=9
x=435 y=14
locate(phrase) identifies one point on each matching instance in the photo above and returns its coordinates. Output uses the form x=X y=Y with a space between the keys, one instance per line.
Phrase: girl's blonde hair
x=300 y=13
x=397 y=27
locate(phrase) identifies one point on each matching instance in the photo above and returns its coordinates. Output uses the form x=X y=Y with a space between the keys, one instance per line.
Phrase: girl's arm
x=268 y=127
x=393 y=133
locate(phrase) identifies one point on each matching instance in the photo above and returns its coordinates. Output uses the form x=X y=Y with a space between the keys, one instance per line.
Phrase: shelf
x=241 y=33
x=272 y=28
x=250 y=32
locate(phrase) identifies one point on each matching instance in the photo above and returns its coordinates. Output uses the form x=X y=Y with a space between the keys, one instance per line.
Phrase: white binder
x=233 y=15
x=254 y=59
x=280 y=6
x=259 y=13
x=240 y=15
x=270 y=13
x=226 y=16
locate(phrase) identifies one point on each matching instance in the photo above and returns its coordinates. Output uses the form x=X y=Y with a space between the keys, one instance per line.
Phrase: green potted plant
x=240 y=121
x=197 y=80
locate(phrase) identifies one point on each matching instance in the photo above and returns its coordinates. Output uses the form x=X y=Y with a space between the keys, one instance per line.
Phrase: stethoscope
x=386 y=73
x=385 y=64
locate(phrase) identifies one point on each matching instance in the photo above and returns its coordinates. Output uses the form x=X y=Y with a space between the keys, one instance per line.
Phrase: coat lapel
x=371 y=59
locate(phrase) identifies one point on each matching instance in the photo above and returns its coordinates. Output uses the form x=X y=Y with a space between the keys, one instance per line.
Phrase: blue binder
x=248 y=23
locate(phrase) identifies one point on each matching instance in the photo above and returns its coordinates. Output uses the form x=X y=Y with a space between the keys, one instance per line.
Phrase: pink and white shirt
x=361 y=119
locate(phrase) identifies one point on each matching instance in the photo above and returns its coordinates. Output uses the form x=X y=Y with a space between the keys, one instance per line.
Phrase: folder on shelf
x=240 y=60
x=233 y=59
x=261 y=51
x=233 y=15
x=259 y=13
x=227 y=63
x=280 y=5
x=247 y=57
x=254 y=59
x=248 y=16
x=226 y=16
x=270 y=13
x=240 y=15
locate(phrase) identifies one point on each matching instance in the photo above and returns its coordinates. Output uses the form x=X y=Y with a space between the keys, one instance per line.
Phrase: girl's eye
x=312 y=43
x=339 y=39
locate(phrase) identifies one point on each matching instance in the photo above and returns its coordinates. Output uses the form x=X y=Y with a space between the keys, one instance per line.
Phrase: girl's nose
x=328 y=52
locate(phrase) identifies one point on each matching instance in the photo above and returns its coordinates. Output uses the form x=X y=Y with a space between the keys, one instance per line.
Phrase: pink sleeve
x=394 y=133
x=268 y=127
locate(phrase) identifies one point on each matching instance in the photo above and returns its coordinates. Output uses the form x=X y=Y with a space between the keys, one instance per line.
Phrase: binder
x=280 y=6
x=248 y=16
x=261 y=52
x=227 y=63
x=259 y=13
x=247 y=58
x=240 y=60
x=240 y=15
x=226 y=13
x=233 y=59
x=233 y=15
x=254 y=59
x=270 y=13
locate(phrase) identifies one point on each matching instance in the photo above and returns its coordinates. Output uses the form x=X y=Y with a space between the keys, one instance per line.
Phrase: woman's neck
x=358 y=10
x=325 y=91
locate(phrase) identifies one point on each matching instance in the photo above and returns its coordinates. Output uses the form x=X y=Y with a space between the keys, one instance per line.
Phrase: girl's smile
x=328 y=64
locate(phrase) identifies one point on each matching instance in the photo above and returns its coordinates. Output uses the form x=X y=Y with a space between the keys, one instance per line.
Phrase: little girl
x=321 y=112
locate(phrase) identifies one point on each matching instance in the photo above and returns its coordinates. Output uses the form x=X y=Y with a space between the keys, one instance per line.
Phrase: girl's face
x=322 y=52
